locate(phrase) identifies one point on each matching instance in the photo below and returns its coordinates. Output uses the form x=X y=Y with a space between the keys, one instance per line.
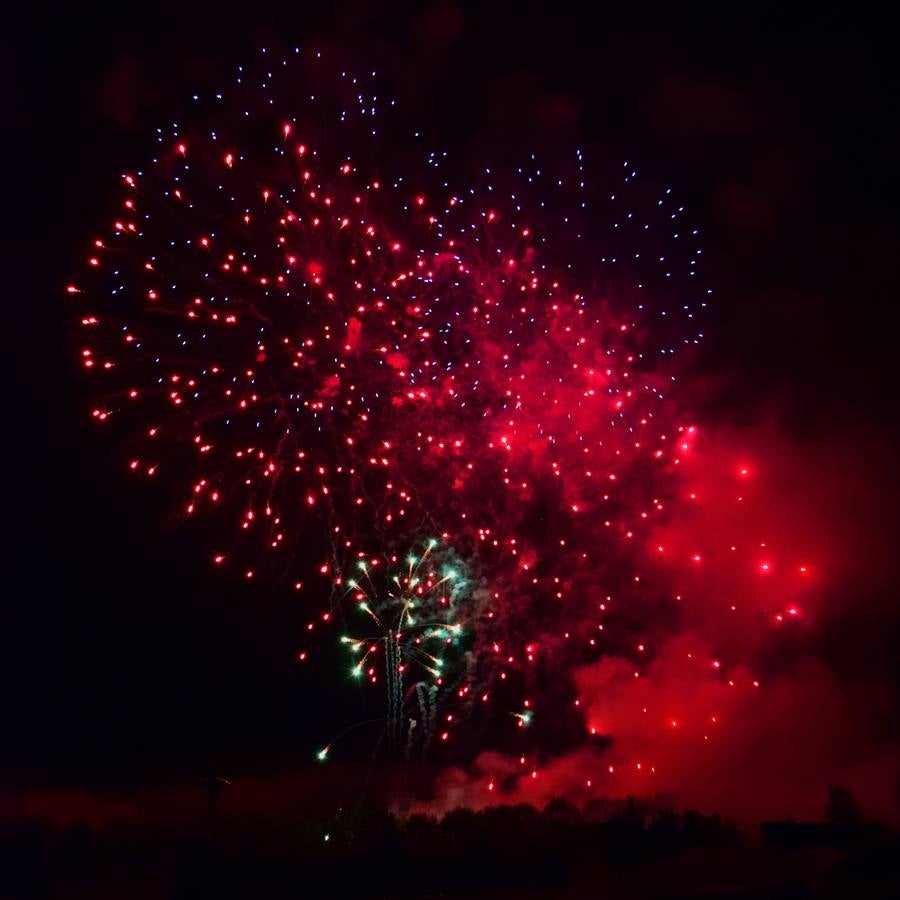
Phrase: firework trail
x=416 y=610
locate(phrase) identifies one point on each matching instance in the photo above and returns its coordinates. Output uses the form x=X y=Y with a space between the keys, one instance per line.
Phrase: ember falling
x=466 y=423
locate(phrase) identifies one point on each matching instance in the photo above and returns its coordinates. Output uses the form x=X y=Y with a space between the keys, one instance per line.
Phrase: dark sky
x=122 y=659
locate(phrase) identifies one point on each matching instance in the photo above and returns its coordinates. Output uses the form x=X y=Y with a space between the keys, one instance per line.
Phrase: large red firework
x=335 y=344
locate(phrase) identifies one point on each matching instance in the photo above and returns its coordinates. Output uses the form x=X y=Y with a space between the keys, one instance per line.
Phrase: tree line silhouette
x=606 y=849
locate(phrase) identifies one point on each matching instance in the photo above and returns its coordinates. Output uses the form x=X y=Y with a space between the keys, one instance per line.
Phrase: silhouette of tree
x=842 y=807
x=629 y=849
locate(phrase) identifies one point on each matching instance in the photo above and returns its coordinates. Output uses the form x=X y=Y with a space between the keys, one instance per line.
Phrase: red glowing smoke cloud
x=731 y=716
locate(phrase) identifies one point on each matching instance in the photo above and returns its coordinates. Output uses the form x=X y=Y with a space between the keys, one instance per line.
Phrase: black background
x=122 y=658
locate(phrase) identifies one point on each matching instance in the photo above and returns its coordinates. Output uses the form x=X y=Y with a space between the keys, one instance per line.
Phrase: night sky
x=125 y=663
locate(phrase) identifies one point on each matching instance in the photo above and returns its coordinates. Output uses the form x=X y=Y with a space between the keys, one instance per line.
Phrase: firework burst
x=330 y=342
x=416 y=612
